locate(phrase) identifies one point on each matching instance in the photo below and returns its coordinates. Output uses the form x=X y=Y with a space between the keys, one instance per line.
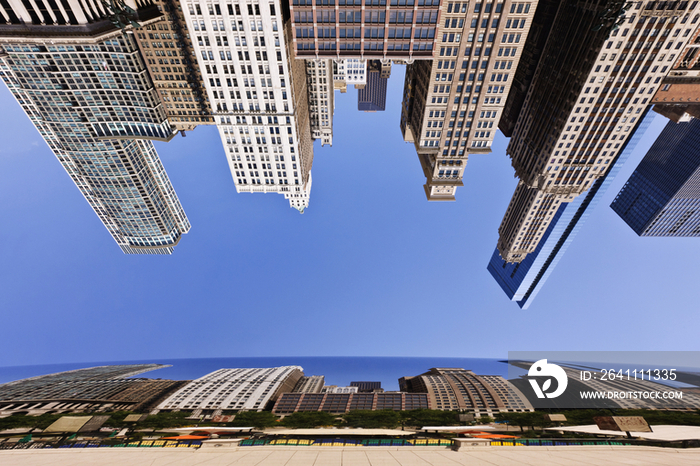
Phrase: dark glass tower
x=662 y=197
x=372 y=98
x=522 y=281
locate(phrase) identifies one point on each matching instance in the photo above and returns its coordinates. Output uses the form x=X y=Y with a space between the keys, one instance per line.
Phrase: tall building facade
x=589 y=90
x=452 y=104
x=352 y=71
x=309 y=384
x=681 y=87
x=522 y=281
x=458 y=389
x=537 y=36
x=167 y=49
x=662 y=196
x=337 y=389
x=338 y=403
x=367 y=386
x=84 y=390
x=321 y=87
x=372 y=96
x=234 y=389
x=364 y=29
x=258 y=94
x=571 y=398
x=78 y=75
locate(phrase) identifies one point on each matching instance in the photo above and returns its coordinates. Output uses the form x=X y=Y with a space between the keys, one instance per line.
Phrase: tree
x=516 y=419
x=483 y=419
x=309 y=419
x=429 y=417
x=259 y=420
x=373 y=419
x=164 y=420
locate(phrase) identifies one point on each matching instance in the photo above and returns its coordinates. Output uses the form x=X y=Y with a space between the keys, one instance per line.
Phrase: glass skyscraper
x=372 y=97
x=521 y=281
x=662 y=197
x=84 y=85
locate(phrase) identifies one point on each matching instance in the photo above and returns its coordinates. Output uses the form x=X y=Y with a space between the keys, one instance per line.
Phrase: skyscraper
x=321 y=99
x=522 y=281
x=681 y=87
x=452 y=104
x=662 y=196
x=84 y=390
x=78 y=75
x=458 y=389
x=339 y=403
x=349 y=71
x=309 y=384
x=167 y=49
x=591 y=85
x=234 y=389
x=258 y=95
x=376 y=29
x=372 y=97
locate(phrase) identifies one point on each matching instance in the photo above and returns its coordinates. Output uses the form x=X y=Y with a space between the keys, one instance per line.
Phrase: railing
x=344 y=442
x=341 y=442
x=106 y=443
x=594 y=442
x=553 y=442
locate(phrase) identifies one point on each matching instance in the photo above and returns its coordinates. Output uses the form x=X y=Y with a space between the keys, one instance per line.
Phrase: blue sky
x=370 y=269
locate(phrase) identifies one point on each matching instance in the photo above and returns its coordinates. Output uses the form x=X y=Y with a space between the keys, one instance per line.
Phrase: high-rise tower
x=662 y=196
x=78 y=74
x=454 y=389
x=321 y=99
x=364 y=29
x=452 y=104
x=522 y=281
x=372 y=96
x=258 y=95
x=166 y=46
x=602 y=63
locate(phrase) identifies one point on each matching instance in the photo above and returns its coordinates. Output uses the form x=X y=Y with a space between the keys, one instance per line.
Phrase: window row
x=215 y=9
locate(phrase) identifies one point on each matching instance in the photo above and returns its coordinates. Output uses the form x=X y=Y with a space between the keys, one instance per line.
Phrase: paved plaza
x=282 y=456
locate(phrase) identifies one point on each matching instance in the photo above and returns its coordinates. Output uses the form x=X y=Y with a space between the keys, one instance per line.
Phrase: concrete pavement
x=358 y=456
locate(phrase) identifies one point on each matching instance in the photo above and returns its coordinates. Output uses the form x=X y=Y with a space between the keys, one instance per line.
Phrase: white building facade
x=351 y=71
x=321 y=102
x=234 y=389
x=337 y=389
x=260 y=108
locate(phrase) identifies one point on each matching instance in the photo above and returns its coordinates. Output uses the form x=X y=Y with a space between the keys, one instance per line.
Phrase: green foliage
x=429 y=417
x=309 y=420
x=373 y=419
x=254 y=419
x=484 y=420
x=22 y=420
x=161 y=420
x=116 y=419
x=368 y=419
x=532 y=420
